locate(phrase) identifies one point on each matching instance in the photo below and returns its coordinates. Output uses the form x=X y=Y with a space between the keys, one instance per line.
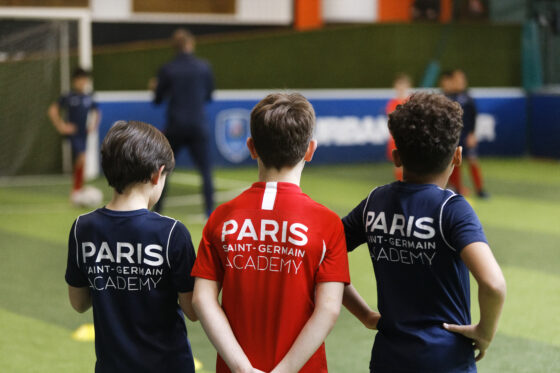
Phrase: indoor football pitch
x=521 y=219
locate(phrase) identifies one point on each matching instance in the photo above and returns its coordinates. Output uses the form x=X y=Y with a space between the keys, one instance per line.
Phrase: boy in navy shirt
x=423 y=240
x=132 y=265
x=78 y=105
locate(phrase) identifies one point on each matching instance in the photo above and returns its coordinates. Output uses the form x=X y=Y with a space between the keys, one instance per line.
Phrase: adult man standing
x=187 y=83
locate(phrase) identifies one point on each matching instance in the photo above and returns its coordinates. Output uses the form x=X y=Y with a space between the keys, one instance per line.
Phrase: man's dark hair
x=446 y=74
x=132 y=151
x=80 y=73
x=281 y=127
x=426 y=130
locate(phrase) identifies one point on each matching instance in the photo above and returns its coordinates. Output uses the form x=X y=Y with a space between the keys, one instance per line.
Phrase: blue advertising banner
x=545 y=128
x=351 y=124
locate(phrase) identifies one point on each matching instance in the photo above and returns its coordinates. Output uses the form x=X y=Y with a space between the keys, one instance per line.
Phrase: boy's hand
x=67 y=128
x=371 y=320
x=474 y=332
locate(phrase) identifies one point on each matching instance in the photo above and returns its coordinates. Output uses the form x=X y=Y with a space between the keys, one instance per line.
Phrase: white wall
x=110 y=9
x=349 y=10
x=267 y=12
x=271 y=11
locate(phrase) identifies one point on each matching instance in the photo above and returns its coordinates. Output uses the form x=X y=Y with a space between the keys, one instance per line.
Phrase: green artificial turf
x=521 y=220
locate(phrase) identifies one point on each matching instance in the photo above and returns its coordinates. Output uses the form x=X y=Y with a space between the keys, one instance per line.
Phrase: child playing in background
x=132 y=265
x=402 y=86
x=468 y=137
x=78 y=106
x=454 y=86
x=278 y=257
x=423 y=240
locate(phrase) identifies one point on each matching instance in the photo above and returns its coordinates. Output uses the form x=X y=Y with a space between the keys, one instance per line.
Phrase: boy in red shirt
x=278 y=257
x=402 y=86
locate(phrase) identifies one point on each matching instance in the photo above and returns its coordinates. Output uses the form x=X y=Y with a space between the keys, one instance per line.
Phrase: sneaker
x=483 y=194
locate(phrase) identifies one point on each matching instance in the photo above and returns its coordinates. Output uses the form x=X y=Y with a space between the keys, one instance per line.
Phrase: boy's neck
x=439 y=179
x=285 y=175
x=132 y=198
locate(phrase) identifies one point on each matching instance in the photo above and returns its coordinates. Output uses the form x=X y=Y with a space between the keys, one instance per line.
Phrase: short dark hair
x=426 y=130
x=282 y=126
x=182 y=39
x=80 y=73
x=132 y=151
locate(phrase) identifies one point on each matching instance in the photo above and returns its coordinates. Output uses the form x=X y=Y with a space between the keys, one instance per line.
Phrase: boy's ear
x=252 y=149
x=396 y=158
x=156 y=176
x=310 y=150
x=457 y=157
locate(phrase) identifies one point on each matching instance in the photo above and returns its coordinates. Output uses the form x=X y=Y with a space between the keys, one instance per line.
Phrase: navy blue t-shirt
x=77 y=107
x=469 y=113
x=415 y=234
x=188 y=83
x=135 y=263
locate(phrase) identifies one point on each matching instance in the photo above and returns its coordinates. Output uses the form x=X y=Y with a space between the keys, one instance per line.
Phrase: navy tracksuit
x=188 y=84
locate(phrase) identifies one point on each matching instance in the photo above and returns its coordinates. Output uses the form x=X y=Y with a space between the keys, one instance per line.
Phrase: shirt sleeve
x=334 y=263
x=354 y=226
x=162 y=86
x=63 y=101
x=469 y=116
x=460 y=225
x=74 y=275
x=94 y=104
x=181 y=258
x=208 y=264
x=209 y=83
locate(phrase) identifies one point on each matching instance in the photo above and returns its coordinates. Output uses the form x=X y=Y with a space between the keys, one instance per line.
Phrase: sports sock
x=78 y=177
x=476 y=176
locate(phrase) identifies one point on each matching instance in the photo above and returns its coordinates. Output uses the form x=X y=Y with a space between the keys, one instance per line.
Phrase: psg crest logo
x=232 y=131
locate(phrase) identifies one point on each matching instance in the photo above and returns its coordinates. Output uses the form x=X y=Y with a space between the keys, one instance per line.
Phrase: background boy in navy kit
x=132 y=265
x=77 y=104
x=423 y=240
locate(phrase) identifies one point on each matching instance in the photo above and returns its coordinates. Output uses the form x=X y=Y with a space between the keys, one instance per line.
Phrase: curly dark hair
x=426 y=130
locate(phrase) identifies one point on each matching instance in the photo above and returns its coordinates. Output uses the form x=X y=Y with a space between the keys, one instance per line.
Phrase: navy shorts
x=78 y=144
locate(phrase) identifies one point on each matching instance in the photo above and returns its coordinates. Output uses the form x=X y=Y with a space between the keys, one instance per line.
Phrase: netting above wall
x=34 y=69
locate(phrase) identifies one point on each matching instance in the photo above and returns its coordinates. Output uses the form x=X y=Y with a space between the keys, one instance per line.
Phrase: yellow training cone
x=85 y=333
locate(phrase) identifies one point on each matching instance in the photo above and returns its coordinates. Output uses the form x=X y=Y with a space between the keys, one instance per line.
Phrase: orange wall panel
x=394 y=10
x=307 y=14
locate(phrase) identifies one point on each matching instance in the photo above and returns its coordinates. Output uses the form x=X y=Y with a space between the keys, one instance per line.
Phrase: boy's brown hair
x=426 y=130
x=281 y=127
x=132 y=151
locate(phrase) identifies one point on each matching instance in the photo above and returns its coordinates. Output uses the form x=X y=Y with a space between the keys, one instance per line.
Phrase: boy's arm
x=328 y=298
x=80 y=298
x=358 y=307
x=185 y=301
x=491 y=295
x=96 y=113
x=216 y=325
x=60 y=124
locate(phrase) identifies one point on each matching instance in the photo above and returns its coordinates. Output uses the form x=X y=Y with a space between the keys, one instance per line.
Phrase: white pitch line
x=196 y=180
x=35 y=180
x=196 y=199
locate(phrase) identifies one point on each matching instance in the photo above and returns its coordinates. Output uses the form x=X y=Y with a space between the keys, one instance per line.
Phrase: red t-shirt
x=392 y=106
x=269 y=247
